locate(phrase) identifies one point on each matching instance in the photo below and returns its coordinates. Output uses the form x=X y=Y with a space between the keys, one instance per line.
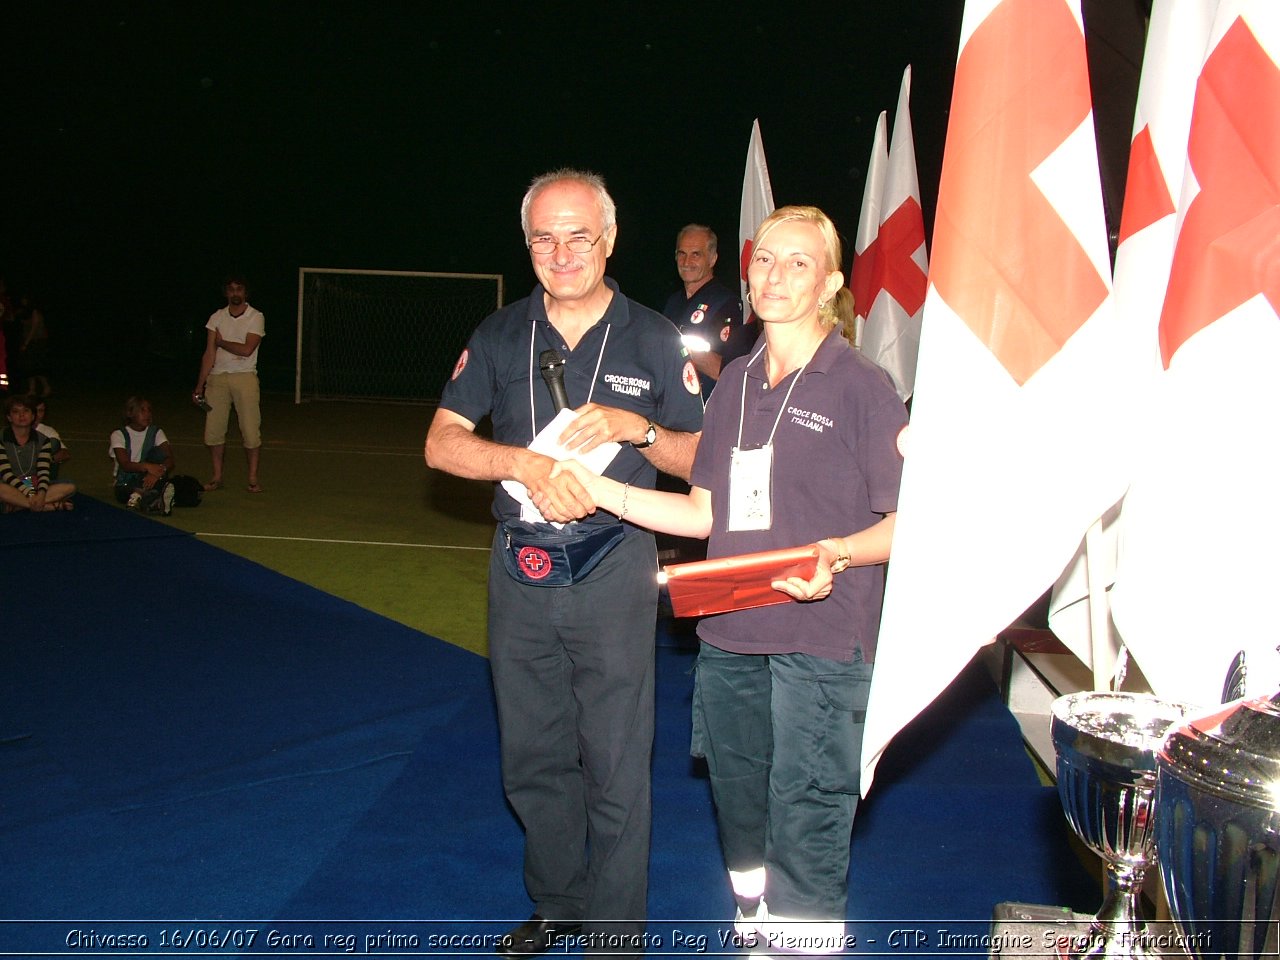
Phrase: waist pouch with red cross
x=539 y=555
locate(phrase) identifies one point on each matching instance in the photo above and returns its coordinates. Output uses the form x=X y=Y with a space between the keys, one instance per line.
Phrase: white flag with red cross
x=1176 y=39
x=889 y=289
x=1005 y=461
x=757 y=203
x=1201 y=522
x=866 y=252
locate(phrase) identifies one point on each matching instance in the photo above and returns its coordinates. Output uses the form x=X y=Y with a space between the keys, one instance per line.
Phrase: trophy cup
x=1218 y=837
x=1106 y=745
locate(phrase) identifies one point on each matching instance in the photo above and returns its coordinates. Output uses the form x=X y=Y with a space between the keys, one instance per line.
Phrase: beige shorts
x=224 y=391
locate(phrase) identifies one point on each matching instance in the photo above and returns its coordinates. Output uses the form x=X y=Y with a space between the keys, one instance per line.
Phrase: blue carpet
x=187 y=736
x=91 y=520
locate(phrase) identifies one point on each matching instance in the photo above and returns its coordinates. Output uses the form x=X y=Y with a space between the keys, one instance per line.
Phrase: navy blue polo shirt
x=836 y=470
x=714 y=313
x=642 y=367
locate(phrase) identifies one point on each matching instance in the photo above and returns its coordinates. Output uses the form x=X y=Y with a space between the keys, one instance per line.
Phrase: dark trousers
x=782 y=735
x=573 y=671
x=150 y=498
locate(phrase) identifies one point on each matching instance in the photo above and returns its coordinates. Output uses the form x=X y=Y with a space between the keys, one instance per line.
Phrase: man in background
x=229 y=378
x=707 y=311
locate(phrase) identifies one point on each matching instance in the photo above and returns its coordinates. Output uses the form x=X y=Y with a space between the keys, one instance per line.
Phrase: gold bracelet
x=625 y=488
x=841 y=562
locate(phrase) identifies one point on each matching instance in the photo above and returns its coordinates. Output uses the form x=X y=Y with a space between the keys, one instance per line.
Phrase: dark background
x=153 y=148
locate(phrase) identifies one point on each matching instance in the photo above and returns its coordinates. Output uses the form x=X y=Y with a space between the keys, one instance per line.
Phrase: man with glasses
x=572 y=610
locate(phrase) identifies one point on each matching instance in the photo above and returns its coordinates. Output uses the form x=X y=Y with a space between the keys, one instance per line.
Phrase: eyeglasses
x=545 y=245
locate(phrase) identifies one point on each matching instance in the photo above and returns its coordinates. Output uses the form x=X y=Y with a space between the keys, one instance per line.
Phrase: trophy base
x=1025 y=930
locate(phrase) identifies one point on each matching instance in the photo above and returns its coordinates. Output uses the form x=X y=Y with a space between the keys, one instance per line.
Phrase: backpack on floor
x=187 y=491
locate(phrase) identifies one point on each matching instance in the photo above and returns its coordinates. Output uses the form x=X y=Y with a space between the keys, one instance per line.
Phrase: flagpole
x=1103 y=654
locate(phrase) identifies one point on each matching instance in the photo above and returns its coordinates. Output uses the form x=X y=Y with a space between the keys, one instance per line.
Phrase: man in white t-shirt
x=229 y=378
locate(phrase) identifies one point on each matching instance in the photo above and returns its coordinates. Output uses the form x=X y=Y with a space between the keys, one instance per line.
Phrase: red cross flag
x=862 y=275
x=1007 y=461
x=1176 y=39
x=757 y=203
x=1201 y=521
x=889 y=289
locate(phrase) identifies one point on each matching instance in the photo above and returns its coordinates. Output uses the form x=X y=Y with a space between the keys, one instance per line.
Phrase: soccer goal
x=385 y=334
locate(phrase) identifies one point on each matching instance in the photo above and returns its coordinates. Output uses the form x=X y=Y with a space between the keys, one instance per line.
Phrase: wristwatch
x=650 y=435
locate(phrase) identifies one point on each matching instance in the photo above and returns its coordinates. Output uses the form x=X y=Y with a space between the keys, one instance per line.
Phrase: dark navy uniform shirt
x=714 y=313
x=643 y=368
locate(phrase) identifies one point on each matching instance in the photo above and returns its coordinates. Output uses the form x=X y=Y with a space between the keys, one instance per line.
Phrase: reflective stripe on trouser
x=748 y=891
x=782 y=736
x=573 y=674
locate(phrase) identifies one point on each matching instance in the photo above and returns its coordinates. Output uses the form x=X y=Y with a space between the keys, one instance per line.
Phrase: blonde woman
x=799 y=445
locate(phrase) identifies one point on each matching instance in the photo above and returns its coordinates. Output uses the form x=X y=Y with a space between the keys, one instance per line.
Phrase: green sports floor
x=348 y=504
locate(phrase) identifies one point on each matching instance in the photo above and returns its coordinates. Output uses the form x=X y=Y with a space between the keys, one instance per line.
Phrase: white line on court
x=282 y=446
x=362 y=543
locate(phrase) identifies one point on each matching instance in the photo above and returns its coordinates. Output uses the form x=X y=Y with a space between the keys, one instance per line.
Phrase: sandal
x=59 y=505
x=255 y=488
x=212 y=485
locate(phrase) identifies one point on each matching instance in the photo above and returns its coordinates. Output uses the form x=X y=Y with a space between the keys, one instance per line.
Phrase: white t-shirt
x=52 y=434
x=132 y=446
x=236 y=330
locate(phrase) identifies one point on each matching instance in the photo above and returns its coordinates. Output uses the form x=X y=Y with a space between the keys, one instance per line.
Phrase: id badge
x=749 y=477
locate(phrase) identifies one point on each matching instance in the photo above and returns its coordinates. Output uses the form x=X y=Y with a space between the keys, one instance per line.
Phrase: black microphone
x=552 y=366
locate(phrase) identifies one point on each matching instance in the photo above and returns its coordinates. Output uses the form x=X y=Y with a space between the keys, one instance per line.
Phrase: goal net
x=385 y=334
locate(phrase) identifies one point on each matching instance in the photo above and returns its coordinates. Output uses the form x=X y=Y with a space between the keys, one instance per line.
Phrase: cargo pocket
x=842 y=703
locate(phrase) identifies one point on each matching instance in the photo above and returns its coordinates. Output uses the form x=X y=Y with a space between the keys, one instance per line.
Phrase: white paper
x=547 y=443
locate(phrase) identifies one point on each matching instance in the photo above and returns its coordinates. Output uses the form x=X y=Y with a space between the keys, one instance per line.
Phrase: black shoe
x=535 y=936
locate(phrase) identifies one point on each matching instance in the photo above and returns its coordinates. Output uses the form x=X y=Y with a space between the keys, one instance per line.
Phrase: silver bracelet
x=626 y=487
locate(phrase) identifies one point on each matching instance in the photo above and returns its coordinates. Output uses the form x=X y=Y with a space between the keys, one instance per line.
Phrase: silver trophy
x=1219 y=830
x=1106 y=745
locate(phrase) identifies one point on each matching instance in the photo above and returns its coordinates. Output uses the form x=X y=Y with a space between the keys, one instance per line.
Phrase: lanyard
x=742 y=412
x=15 y=454
x=751 y=471
x=533 y=337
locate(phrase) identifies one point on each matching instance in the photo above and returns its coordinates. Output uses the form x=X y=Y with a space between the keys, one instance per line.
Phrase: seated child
x=143 y=461
x=61 y=453
x=26 y=459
